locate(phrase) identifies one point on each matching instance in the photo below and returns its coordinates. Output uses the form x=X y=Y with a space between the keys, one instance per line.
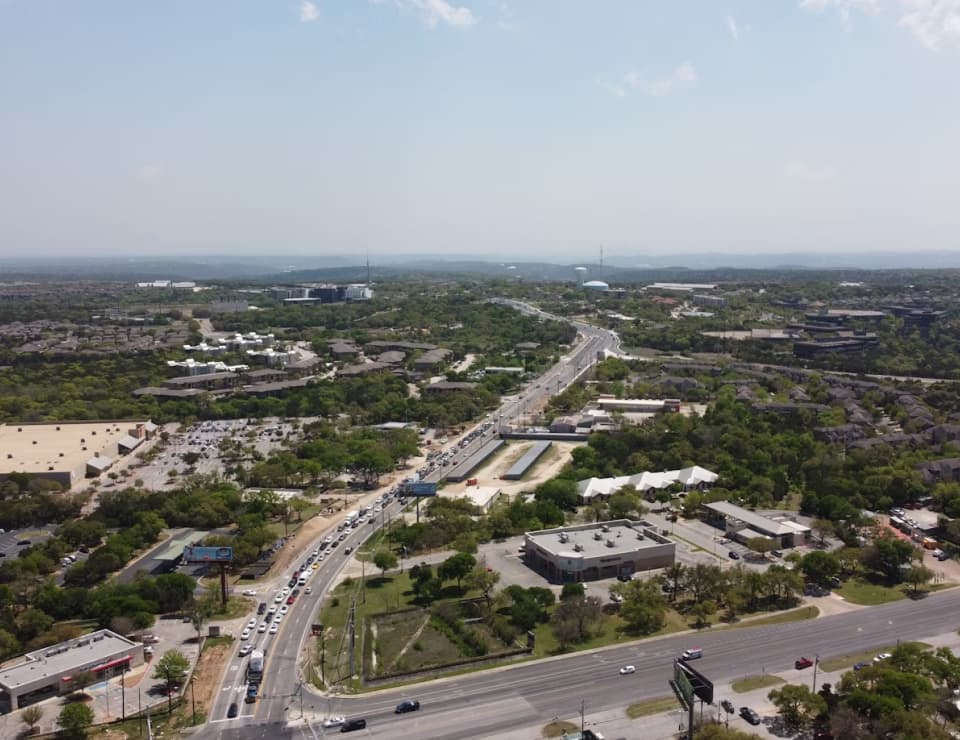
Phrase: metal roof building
x=743 y=524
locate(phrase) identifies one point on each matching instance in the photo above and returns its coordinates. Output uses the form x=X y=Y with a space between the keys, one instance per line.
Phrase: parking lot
x=12 y=542
x=212 y=447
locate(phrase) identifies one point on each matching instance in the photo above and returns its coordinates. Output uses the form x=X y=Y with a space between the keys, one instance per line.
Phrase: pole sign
x=422 y=489
x=701 y=685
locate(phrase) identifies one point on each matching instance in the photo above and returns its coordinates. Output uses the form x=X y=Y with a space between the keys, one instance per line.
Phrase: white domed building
x=597 y=285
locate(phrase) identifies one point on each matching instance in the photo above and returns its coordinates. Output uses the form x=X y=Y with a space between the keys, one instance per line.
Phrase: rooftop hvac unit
x=604 y=528
x=639 y=535
x=611 y=543
x=578 y=547
x=597 y=536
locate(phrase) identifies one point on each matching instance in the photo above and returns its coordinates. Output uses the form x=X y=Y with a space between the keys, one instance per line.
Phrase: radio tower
x=368 y=270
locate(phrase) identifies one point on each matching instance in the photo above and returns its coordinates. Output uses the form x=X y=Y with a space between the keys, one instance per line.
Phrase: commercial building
x=589 y=552
x=50 y=671
x=483 y=497
x=639 y=405
x=742 y=525
x=690 y=479
x=67 y=452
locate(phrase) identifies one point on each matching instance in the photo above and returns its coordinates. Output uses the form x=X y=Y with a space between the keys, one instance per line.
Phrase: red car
x=803 y=663
x=291 y=598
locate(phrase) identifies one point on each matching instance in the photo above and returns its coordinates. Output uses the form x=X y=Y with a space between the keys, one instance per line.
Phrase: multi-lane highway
x=484 y=704
x=281 y=684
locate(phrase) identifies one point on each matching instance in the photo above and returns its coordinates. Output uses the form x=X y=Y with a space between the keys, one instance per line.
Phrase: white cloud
x=682 y=75
x=732 y=28
x=149 y=172
x=798 y=170
x=685 y=74
x=435 y=12
x=309 y=12
x=934 y=23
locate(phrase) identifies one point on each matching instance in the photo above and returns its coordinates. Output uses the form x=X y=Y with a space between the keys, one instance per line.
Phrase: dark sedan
x=749 y=715
x=410 y=705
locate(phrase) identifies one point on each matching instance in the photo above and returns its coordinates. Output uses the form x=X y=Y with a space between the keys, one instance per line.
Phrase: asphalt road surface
x=485 y=703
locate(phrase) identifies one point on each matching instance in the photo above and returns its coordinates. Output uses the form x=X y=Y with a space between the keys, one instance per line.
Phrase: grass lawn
x=610 y=633
x=753 y=683
x=652 y=706
x=866 y=656
x=558 y=728
x=794 y=615
x=859 y=591
x=380 y=595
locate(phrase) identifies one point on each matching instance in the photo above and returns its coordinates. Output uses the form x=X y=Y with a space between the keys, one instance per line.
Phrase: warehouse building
x=68 y=451
x=49 y=671
x=589 y=552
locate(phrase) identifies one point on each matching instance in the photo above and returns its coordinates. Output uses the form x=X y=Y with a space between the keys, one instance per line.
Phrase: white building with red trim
x=50 y=670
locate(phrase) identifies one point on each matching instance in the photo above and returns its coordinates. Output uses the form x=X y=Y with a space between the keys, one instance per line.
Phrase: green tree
x=385 y=560
x=918 y=575
x=701 y=612
x=797 y=704
x=456 y=567
x=74 y=721
x=484 y=581
x=31 y=717
x=172 y=670
x=643 y=608
x=820 y=566
x=761 y=545
x=574 y=618
x=887 y=555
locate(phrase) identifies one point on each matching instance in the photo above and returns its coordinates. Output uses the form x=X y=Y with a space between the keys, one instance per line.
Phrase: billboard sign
x=196 y=554
x=701 y=685
x=422 y=489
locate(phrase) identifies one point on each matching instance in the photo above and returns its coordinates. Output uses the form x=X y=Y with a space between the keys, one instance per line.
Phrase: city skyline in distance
x=480 y=129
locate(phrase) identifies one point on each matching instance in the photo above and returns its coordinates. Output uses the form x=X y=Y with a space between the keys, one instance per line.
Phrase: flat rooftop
x=565 y=541
x=62 y=446
x=64 y=658
x=480 y=496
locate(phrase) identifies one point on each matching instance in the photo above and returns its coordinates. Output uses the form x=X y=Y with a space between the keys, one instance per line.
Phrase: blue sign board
x=422 y=489
x=193 y=554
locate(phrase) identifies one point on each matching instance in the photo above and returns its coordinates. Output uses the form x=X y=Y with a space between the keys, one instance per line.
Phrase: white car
x=246 y=650
x=274 y=627
x=249 y=592
x=262 y=628
x=251 y=624
x=308 y=590
x=245 y=635
x=882 y=656
x=285 y=592
x=278 y=598
x=628 y=669
x=332 y=722
x=284 y=609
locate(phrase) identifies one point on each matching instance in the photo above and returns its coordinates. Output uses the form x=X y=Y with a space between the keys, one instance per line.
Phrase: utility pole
x=353 y=635
x=816 y=664
x=123 y=695
x=581 y=717
x=323 y=655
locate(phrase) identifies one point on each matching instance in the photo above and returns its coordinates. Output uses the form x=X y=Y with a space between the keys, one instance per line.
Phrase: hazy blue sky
x=537 y=128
